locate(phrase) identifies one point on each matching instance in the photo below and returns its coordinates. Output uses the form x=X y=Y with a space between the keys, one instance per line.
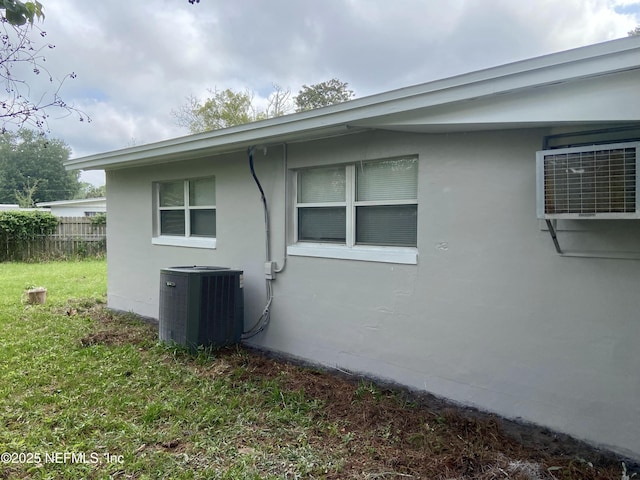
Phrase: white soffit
x=580 y=101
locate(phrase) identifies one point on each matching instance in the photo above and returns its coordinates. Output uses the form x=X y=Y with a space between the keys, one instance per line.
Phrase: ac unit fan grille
x=218 y=307
x=590 y=182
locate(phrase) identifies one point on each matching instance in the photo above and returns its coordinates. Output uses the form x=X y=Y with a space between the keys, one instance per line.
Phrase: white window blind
x=172 y=219
x=202 y=200
x=187 y=208
x=387 y=180
x=321 y=185
x=321 y=205
x=367 y=203
x=386 y=202
x=171 y=194
x=202 y=192
x=322 y=224
x=387 y=225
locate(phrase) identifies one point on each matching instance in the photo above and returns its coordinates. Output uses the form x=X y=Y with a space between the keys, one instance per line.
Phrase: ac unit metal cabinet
x=589 y=182
x=201 y=305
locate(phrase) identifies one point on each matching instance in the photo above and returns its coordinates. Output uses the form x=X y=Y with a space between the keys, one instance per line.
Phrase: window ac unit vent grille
x=589 y=182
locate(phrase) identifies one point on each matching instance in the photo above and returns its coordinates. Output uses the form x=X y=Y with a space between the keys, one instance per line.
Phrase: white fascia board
x=594 y=60
x=205 y=144
x=82 y=201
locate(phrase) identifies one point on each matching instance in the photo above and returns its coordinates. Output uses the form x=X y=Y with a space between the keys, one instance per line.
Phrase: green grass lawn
x=80 y=380
x=86 y=393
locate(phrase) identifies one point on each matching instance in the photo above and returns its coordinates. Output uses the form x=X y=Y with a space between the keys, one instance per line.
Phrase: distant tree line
x=32 y=170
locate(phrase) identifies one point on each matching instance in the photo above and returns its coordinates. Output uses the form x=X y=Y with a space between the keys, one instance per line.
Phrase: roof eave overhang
x=203 y=145
x=376 y=111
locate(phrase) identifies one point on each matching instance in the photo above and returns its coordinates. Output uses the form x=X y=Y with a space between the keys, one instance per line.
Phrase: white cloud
x=138 y=61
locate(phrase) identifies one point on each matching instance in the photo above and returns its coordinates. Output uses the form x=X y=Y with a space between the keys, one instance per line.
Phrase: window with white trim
x=371 y=203
x=186 y=210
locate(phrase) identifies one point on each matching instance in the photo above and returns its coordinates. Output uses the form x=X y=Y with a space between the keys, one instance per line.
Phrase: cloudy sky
x=137 y=61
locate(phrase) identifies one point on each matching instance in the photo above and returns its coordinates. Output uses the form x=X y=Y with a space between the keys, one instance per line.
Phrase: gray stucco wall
x=490 y=316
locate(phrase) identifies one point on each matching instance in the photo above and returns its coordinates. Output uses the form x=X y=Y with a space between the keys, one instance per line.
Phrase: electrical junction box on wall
x=201 y=306
x=270 y=270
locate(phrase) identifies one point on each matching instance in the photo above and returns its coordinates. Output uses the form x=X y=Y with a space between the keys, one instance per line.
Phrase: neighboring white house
x=86 y=207
x=9 y=206
x=15 y=207
x=409 y=235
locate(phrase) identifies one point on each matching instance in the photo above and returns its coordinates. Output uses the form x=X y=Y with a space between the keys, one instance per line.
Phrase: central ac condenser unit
x=201 y=306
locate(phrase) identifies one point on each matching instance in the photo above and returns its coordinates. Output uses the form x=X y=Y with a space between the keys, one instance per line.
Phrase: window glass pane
x=172 y=194
x=387 y=225
x=317 y=185
x=203 y=223
x=202 y=192
x=172 y=222
x=395 y=179
x=322 y=224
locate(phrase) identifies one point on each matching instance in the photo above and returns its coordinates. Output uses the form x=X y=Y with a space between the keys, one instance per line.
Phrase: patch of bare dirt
x=111 y=328
x=393 y=433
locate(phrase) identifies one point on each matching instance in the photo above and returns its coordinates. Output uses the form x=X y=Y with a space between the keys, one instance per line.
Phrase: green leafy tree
x=224 y=108
x=18 y=13
x=25 y=198
x=322 y=94
x=32 y=170
x=87 y=190
x=635 y=32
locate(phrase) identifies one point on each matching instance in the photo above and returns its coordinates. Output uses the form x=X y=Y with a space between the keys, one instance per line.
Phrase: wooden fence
x=74 y=237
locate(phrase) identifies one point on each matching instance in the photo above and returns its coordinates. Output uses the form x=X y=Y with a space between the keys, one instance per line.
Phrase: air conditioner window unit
x=597 y=181
x=201 y=306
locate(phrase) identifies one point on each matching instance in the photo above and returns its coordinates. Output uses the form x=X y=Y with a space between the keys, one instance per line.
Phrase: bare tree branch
x=21 y=57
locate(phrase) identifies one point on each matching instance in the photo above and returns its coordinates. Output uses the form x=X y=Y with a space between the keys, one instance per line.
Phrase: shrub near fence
x=20 y=229
x=72 y=237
